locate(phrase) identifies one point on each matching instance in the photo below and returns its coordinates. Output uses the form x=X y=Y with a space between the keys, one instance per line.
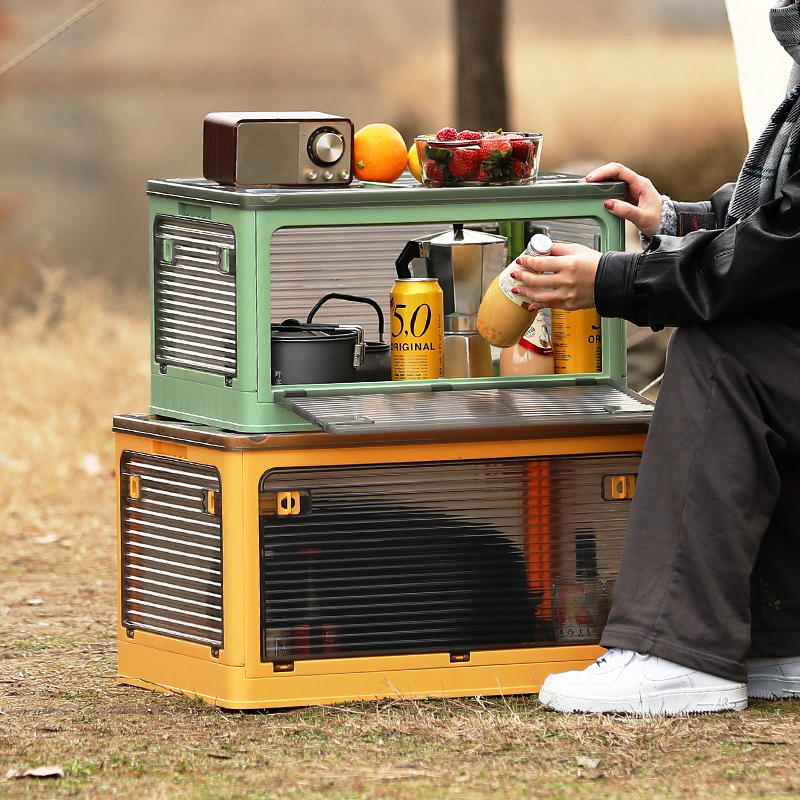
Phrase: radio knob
x=312 y=175
x=326 y=147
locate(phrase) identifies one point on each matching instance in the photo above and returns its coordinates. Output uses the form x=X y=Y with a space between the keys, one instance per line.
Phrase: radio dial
x=325 y=146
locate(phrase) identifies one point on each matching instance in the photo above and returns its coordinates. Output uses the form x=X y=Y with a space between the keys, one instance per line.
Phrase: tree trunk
x=481 y=97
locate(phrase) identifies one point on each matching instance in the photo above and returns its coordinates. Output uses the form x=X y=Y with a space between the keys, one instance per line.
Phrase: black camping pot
x=377 y=364
x=315 y=353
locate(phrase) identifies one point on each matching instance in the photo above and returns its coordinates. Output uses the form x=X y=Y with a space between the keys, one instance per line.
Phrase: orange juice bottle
x=532 y=354
x=503 y=316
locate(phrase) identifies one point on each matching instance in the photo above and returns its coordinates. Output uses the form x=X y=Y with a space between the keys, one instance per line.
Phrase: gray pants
x=710 y=570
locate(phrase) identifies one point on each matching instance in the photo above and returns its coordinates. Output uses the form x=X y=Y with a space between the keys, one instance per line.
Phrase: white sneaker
x=625 y=682
x=772 y=678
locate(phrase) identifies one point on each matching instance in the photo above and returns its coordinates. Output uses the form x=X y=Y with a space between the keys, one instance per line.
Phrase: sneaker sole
x=668 y=704
x=772 y=687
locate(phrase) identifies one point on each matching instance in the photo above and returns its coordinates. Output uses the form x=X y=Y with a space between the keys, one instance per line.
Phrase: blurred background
x=120 y=97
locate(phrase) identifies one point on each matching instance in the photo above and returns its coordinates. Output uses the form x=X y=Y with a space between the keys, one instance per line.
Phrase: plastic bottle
x=576 y=603
x=503 y=316
x=532 y=354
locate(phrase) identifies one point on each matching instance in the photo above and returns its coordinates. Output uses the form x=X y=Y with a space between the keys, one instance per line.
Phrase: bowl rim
x=431 y=139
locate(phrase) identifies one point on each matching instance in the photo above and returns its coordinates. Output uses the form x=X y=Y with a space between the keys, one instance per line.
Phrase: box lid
x=564 y=406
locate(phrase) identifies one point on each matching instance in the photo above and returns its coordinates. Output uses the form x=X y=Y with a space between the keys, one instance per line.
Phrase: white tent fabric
x=762 y=64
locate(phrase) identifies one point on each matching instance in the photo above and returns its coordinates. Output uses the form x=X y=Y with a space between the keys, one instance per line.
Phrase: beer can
x=301 y=639
x=417 y=311
x=576 y=340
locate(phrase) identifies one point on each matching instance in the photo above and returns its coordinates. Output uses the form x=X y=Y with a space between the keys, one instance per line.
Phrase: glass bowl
x=488 y=159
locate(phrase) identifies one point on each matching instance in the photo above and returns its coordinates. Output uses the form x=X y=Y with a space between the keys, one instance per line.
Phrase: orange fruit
x=413 y=162
x=379 y=153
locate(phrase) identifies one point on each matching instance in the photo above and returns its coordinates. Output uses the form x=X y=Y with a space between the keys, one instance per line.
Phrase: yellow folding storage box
x=427 y=544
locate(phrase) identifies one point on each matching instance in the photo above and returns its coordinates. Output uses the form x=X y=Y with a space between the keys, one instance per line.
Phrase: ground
x=75 y=357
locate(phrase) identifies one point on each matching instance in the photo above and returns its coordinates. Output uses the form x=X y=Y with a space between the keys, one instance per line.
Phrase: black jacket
x=749 y=269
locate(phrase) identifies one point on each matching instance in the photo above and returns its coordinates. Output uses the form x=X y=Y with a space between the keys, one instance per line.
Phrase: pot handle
x=353 y=298
x=411 y=251
x=360 y=348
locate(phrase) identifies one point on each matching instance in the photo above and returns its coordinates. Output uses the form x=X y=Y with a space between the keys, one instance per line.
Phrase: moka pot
x=465 y=262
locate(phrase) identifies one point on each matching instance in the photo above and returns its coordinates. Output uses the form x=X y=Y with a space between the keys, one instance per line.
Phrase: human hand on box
x=562 y=279
x=642 y=205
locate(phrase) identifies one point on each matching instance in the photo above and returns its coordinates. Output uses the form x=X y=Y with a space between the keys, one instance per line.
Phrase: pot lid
x=311 y=333
x=464 y=236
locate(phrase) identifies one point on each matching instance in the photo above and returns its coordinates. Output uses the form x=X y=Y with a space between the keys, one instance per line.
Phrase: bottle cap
x=540 y=244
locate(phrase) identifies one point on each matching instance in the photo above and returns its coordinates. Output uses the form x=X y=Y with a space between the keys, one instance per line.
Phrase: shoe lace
x=615 y=657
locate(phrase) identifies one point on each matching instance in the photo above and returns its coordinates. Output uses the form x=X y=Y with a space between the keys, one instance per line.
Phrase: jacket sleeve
x=708 y=215
x=750 y=268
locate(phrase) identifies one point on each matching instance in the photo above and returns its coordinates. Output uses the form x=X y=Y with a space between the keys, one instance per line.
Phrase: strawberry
x=522 y=169
x=521 y=147
x=467 y=135
x=483 y=175
x=447 y=135
x=463 y=163
x=495 y=157
x=496 y=141
x=434 y=171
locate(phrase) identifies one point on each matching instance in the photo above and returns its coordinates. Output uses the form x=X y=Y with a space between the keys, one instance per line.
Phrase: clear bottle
x=532 y=354
x=503 y=316
x=576 y=602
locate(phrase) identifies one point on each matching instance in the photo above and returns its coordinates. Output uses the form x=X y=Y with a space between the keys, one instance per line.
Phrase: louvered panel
x=453 y=557
x=195 y=294
x=359 y=260
x=579 y=230
x=171 y=548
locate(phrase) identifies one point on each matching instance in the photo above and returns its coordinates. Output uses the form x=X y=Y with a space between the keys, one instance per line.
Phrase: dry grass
x=68 y=365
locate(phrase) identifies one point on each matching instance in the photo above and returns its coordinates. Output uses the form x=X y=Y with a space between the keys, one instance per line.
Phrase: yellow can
x=417 y=310
x=576 y=340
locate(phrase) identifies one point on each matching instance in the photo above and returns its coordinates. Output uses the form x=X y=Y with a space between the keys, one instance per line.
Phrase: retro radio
x=252 y=149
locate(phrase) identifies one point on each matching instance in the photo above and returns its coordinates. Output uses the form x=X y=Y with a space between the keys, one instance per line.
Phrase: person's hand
x=642 y=204
x=563 y=279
